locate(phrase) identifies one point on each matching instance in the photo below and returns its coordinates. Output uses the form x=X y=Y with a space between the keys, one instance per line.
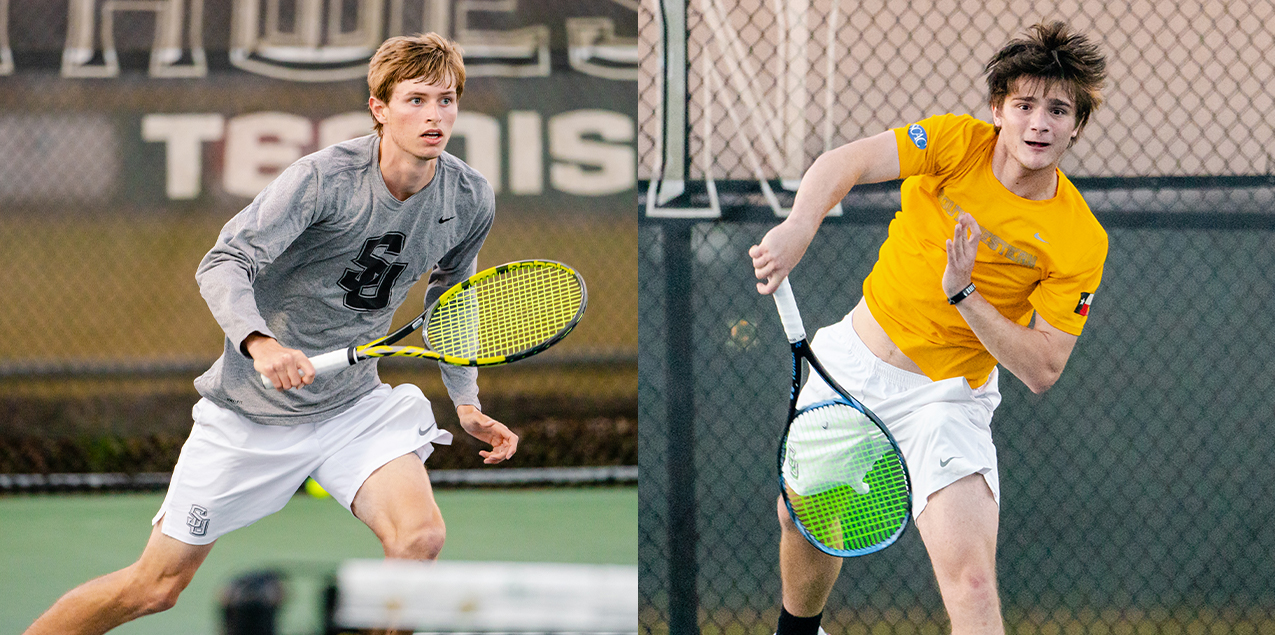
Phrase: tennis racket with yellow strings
x=497 y=316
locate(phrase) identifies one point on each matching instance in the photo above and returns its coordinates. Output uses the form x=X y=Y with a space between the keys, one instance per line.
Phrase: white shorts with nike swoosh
x=233 y=472
x=942 y=427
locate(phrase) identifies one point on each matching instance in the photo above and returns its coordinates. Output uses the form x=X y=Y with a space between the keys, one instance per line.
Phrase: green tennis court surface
x=49 y=544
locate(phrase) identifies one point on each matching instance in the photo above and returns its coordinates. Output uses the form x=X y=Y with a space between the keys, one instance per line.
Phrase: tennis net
x=501 y=477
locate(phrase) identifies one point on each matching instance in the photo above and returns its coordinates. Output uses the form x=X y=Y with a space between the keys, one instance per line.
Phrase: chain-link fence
x=131 y=132
x=766 y=87
x=1137 y=493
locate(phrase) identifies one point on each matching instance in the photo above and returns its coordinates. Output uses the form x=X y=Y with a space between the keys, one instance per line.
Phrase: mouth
x=433 y=135
x=1039 y=145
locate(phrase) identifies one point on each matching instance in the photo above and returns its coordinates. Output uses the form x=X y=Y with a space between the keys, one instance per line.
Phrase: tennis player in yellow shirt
x=993 y=259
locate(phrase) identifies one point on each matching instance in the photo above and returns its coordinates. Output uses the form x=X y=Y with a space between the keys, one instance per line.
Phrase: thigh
x=959 y=526
x=397 y=498
x=167 y=559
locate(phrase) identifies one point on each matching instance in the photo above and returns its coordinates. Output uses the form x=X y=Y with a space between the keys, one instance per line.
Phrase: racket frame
x=497 y=360
x=383 y=346
x=791 y=320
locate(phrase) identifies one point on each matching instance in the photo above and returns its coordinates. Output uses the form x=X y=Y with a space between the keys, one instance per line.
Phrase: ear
x=378 y=109
x=996 y=116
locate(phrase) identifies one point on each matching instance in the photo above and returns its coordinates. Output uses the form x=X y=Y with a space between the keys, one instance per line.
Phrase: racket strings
x=509 y=312
x=845 y=481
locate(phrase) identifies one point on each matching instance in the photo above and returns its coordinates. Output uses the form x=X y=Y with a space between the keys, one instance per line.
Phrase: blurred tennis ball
x=743 y=334
x=314 y=489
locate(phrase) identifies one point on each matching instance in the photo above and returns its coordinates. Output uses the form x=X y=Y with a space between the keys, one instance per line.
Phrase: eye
x=415 y=101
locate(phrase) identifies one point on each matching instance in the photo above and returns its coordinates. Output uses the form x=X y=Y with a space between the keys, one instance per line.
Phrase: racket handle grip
x=324 y=364
x=788 y=314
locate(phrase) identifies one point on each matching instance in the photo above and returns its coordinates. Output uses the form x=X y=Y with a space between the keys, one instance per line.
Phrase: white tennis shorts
x=233 y=472
x=942 y=427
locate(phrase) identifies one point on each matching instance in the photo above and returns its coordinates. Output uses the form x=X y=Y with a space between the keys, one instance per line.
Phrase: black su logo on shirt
x=369 y=287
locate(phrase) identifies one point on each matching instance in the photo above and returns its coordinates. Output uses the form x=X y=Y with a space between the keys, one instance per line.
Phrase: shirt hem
x=292 y=419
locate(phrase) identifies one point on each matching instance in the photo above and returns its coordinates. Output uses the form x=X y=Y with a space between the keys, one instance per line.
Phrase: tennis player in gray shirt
x=320 y=260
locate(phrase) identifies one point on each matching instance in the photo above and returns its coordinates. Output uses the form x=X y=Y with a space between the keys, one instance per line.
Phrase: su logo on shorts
x=197 y=520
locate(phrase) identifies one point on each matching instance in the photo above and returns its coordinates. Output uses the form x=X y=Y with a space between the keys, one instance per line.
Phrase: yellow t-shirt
x=1044 y=256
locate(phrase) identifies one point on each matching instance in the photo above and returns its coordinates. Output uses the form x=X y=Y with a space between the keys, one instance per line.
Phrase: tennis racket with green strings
x=841 y=473
x=497 y=316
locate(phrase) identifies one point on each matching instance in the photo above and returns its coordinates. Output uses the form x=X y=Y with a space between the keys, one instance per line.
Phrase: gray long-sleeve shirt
x=321 y=259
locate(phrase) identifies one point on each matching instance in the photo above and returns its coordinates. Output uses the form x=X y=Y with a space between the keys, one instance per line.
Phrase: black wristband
x=962 y=294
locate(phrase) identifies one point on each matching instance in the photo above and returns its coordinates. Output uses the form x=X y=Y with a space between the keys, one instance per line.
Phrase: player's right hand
x=778 y=253
x=286 y=367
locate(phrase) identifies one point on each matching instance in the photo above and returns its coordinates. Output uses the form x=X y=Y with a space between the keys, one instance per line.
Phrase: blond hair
x=425 y=56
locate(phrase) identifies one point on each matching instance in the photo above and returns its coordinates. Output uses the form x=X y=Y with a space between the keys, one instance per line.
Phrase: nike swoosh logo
x=1037 y=237
x=943 y=463
x=444 y=220
x=422 y=432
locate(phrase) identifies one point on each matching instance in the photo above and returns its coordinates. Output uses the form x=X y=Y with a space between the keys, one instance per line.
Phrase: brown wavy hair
x=1057 y=55
x=427 y=56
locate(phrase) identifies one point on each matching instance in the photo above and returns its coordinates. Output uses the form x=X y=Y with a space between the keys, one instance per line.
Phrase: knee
x=162 y=599
x=979 y=582
x=424 y=542
x=975 y=586
x=146 y=596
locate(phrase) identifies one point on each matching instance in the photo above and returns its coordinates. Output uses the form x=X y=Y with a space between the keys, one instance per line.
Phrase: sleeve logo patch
x=917 y=134
x=1086 y=299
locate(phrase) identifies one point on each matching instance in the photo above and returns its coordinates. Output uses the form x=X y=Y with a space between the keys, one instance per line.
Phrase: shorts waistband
x=897 y=376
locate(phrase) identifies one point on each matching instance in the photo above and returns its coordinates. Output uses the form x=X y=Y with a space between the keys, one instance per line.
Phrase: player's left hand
x=962 y=248
x=503 y=441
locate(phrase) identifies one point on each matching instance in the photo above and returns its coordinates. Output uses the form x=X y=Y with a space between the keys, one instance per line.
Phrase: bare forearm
x=1027 y=353
x=823 y=186
x=1035 y=355
x=829 y=179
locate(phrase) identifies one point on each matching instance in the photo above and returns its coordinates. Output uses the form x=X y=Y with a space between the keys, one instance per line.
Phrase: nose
x=1039 y=121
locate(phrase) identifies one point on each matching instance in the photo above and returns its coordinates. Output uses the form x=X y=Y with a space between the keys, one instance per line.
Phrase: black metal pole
x=683 y=537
